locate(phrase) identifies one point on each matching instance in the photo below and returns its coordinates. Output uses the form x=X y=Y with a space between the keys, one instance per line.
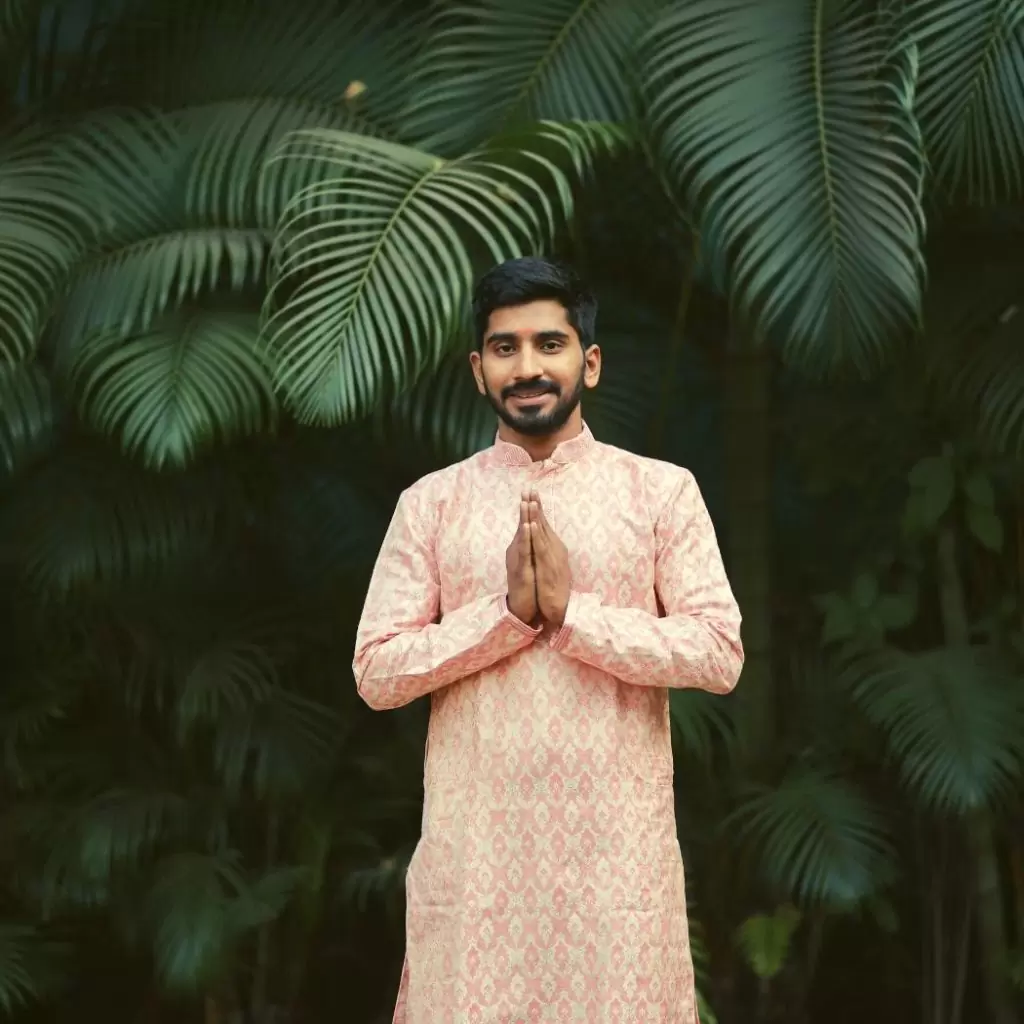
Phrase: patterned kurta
x=547 y=884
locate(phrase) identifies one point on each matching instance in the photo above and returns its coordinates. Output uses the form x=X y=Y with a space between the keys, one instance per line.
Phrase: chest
x=607 y=531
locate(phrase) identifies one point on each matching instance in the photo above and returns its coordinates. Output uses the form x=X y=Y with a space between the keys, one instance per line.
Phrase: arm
x=402 y=650
x=697 y=642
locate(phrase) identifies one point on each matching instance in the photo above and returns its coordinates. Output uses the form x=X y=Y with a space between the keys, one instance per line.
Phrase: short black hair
x=529 y=279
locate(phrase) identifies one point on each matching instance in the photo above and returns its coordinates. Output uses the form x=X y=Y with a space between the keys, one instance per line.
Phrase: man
x=546 y=592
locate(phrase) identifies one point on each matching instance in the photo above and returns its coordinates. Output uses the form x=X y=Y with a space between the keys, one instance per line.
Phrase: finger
x=524 y=527
x=537 y=512
x=538 y=539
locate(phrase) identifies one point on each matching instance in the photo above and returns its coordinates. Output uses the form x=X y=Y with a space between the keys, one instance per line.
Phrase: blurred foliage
x=237 y=239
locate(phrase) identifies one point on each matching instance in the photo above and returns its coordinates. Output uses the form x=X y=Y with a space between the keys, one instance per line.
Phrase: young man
x=546 y=593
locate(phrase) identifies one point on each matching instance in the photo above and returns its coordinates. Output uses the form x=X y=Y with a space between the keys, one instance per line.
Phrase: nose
x=527 y=365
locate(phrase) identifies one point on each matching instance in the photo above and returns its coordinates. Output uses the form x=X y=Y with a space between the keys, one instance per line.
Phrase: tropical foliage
x=236 y=243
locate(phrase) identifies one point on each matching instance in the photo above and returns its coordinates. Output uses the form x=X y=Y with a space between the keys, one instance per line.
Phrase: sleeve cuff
x=561 y=638
x=515 y=623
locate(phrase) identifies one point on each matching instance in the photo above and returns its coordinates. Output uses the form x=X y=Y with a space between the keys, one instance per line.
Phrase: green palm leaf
x=168 y=392
x=372 y=268
x=44 y=228
x=127 y=289
x=790 y=126
x=991 y=379
x=443 y=409
x=87 y=519
x=305 y=51
x=29 y=968
x=819 y=840
x=228 y=181
x=26 y=414
x=226 y=679
x=971 y=93
x=278 y=744
x=200 y=907
x=953 y=720
x=701 y=723
x=491 y=64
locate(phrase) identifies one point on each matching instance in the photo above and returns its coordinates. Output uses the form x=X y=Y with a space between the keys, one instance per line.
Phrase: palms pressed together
x=537 y=561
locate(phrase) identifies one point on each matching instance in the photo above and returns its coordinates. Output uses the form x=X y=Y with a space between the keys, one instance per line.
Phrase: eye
x=504 y=349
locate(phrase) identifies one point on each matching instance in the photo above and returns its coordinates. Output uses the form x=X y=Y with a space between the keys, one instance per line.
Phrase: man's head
x=534 y=321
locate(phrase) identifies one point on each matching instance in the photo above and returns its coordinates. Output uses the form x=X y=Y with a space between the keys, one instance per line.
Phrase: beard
x=536 y=422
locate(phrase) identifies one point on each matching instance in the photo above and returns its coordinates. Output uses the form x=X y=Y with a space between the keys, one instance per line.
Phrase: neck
x=540 y=448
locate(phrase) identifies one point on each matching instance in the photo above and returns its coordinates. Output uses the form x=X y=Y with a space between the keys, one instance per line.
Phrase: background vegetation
x=236 y=244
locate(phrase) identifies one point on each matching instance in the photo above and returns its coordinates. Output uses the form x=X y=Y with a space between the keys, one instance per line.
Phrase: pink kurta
x=548 y=882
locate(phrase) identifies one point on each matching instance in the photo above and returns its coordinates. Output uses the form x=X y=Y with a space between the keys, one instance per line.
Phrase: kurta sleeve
x=404 y=649
x=696 y=643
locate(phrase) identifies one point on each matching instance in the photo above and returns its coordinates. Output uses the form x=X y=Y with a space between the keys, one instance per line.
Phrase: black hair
x=528 y=279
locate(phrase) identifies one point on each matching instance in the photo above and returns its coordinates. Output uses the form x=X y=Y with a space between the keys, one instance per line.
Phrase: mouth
x=530 y=396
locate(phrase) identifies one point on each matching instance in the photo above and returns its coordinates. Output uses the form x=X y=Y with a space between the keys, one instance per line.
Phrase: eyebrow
x=548 y=335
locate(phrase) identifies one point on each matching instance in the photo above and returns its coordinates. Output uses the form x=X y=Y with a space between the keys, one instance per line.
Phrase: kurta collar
x=572 y=450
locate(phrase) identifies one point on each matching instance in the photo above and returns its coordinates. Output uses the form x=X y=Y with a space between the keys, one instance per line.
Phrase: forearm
x=396 y=667
x=702 y=650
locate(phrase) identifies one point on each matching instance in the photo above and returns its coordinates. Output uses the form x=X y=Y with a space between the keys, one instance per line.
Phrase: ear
x=477 y=365
x=591 y=366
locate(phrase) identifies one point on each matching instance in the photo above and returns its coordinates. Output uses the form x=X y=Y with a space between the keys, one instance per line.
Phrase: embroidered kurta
x=548 y=884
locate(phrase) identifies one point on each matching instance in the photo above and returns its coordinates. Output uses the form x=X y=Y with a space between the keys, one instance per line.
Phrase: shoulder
x=428 y=497
x=658 y=481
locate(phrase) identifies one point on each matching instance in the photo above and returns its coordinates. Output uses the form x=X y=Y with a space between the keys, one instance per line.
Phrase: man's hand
x=551 y=563
x=522 y=582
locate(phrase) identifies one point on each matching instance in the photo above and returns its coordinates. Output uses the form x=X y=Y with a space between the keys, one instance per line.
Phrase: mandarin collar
x=571 y=450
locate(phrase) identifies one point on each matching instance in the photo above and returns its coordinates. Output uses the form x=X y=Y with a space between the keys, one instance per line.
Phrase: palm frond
x=953 y=721
x=127 y=289
x=490 y=64
x=200 y=907
x=226 y=679
x=971 y=93
x=44 y=228
x=819 y=204
x=228 y=181
x=29 y=710
x=819 y=841
x=278 y=744
x=701 y=723
x=29 y=966
x=326 y=527
x=87 y=519
x=174 y=389
x=26 y=414
x=443 y=409
x=372 y=269
x=991 y=380
x=350 y=57
x=91 y=844
x=701 y=970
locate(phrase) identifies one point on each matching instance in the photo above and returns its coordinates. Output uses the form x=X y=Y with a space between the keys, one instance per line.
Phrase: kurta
x=547 y=884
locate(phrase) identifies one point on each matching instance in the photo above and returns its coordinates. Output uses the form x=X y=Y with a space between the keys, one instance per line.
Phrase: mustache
x=530 y=387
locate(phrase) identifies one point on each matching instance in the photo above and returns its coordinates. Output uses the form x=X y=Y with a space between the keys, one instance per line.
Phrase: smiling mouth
x=525 y=395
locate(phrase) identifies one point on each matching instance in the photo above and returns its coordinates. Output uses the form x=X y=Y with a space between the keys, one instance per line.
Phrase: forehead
x=531 y=318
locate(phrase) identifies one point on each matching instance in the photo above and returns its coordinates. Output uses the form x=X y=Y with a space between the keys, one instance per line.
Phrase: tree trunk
x=991 y=927
x=748 y=379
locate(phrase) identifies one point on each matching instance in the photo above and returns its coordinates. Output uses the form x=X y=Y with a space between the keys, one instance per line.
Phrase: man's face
x=532 y=368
